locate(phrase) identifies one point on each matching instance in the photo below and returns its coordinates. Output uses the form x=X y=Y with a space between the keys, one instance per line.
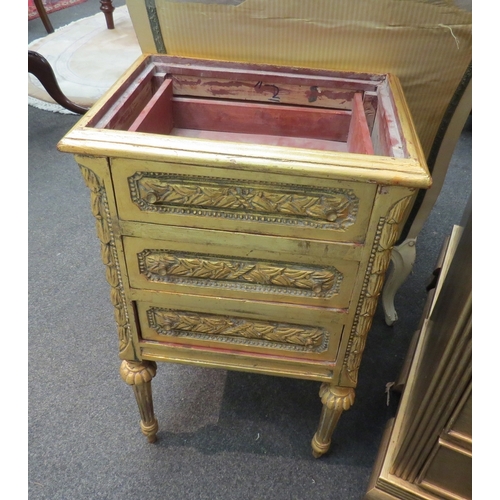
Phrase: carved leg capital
x=335 y=400
x=139 y=376
x=137 y=372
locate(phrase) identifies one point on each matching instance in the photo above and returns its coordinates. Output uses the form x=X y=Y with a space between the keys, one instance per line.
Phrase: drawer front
x=238 y=200
x=242 y=266
x=211 y=323
x=449 y=471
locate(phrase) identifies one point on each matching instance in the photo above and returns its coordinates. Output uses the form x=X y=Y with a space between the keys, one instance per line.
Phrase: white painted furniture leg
x=403 y=257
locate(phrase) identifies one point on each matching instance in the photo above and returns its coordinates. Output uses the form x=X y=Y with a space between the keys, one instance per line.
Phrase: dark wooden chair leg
x=107 y=8
x=41 y=68
x=43 y=16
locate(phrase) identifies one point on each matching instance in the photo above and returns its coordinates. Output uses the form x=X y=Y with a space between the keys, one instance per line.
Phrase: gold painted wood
x=389 y=211
x=426 y=452
x=256 y=245
x=268 y=160
x=335 y=401
x=225 y=325
x=97 y=179
x=244 y=202
x=448 y=471
x=229 y=266
x=209 y=270
x=459 y=429
x=410 y=171
x=250 y=332
x=280 y=365
x=139 y=376
x=247 y=256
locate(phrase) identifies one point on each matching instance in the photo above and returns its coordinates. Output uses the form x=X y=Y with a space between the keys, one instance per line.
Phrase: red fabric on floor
x=50 y=6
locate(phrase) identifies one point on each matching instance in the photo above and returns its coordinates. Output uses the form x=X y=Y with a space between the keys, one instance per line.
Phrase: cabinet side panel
x=390 y=208
x=95 y=172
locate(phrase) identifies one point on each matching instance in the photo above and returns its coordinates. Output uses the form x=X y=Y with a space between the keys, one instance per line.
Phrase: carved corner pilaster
x=386 y=236
x=100 y=210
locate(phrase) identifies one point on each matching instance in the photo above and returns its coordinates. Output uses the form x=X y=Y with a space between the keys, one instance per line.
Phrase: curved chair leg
x=403 y=257
x=41 y=68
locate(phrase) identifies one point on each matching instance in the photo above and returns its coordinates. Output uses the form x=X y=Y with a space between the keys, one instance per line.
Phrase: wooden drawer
x=236 y=200
x=243 y=266
x=448 y=472
x=242 y=210
x=236 y=325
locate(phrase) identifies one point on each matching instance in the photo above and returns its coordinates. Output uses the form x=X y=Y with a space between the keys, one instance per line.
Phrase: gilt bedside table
x=247 y=215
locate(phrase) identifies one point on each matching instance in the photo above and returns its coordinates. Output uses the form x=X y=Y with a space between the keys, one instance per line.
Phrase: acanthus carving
x=385 y=238
x=257 y=201
x=185 y=268
x=336 y=398
x=100 y=210
x=137 y=372
x=237 y=330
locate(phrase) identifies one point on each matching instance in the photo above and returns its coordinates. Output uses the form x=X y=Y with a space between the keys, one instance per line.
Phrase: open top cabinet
x=247 y=215
x=258 y=105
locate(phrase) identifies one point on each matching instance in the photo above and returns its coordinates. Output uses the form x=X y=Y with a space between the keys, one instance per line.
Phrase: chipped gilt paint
x=243 y=234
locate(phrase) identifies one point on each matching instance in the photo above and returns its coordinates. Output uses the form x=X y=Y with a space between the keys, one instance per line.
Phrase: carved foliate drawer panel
x=247 y=215
x=230 y=265
x=244 y=326
x=232 y=200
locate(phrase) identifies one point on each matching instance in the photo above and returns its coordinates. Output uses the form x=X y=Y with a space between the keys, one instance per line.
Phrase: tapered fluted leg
x=335 y=400
x=139 y=376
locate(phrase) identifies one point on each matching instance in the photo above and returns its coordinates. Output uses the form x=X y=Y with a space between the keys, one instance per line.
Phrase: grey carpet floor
x=223 y=435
